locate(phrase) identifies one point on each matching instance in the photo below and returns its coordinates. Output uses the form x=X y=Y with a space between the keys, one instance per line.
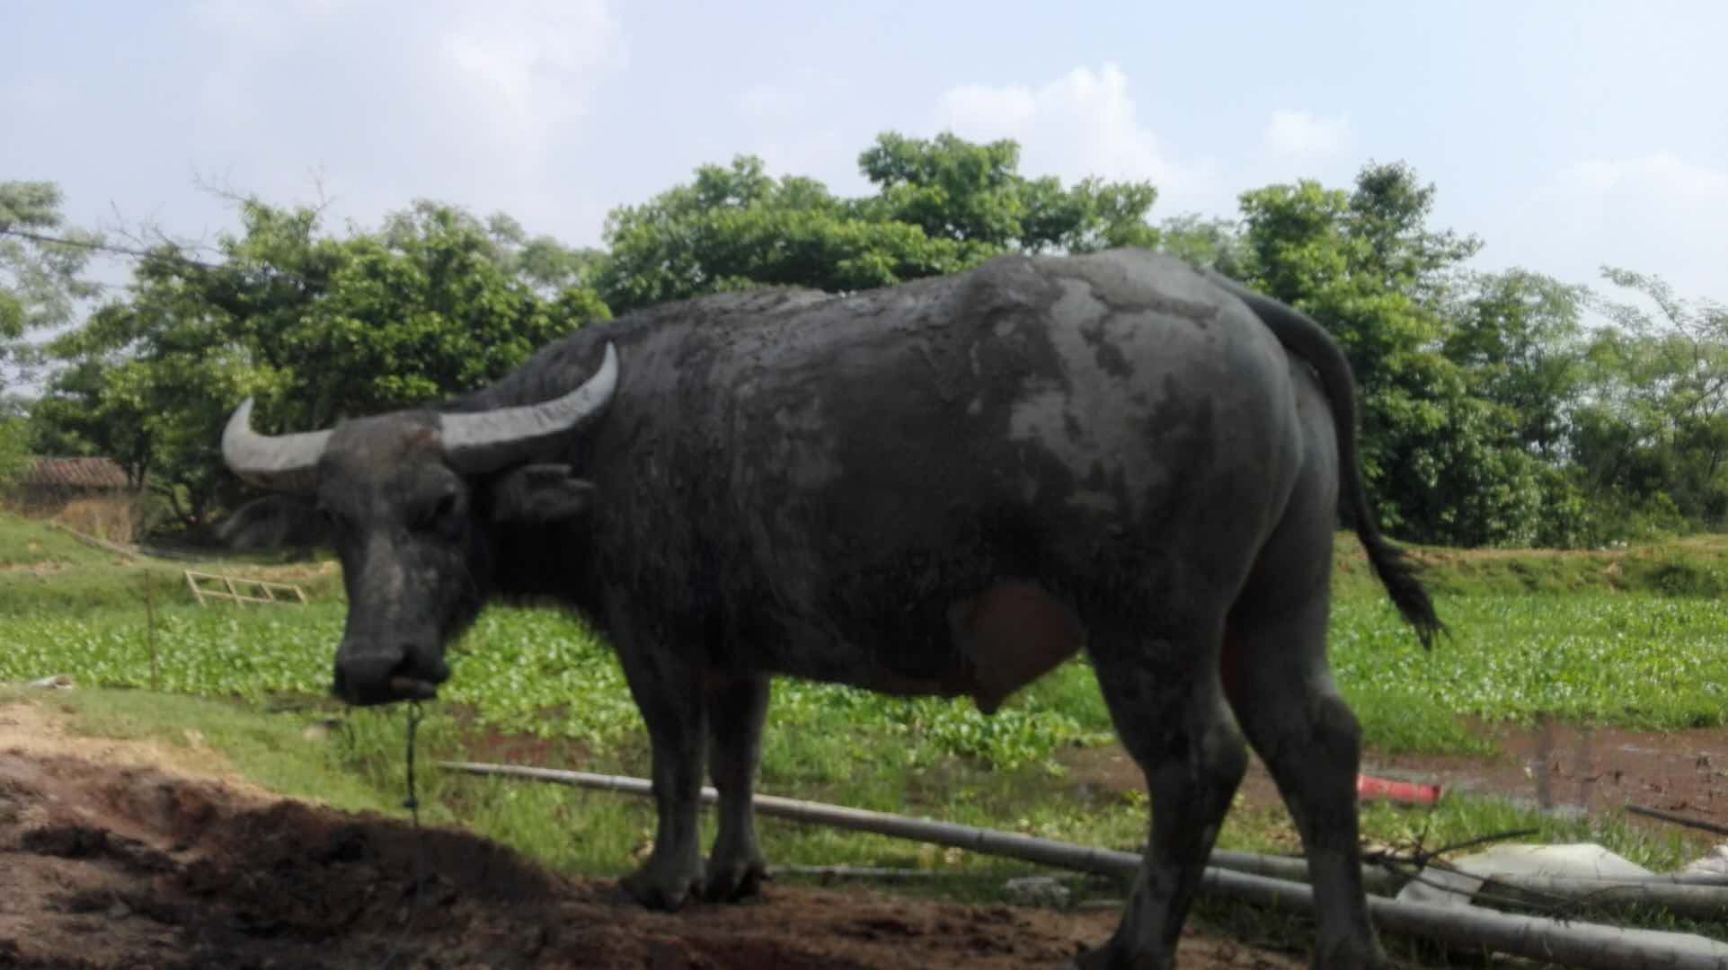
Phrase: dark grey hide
x=947 y=487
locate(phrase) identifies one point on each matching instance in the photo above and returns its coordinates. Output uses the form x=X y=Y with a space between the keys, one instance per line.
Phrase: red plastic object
x=1404 y=792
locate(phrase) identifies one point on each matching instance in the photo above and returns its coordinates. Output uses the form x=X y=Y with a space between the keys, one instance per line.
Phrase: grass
x=1691 y=566
x=273 y=749
x=27 y=543
x=1629 y=637
x=359 y=767
x=353 y=761
x=45 y=570
x=1632 y=659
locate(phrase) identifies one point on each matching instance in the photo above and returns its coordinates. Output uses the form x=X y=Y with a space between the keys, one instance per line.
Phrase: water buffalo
x=947 y=487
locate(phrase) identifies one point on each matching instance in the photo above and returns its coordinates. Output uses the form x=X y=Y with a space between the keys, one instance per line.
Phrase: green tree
x=316 y=327
x=736 y=228
x=543 y=262
x=1446 y=461
x=1652 y=436
x=75 y=417
x=1520 y=337
x=40 y=281
x=1214 y=243
x=14 y=448
x=941 y=206
x=974 y=193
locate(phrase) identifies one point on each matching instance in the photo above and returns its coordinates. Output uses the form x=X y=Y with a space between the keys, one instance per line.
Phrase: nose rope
x=412 y=804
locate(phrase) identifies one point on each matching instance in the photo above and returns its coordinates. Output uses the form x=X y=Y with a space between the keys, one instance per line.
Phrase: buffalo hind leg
x=1169 y=710
x=736 y=709
x=668 y=693
x=1281 y=688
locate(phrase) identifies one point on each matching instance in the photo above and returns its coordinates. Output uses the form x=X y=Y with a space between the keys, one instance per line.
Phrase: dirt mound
x=129 y=865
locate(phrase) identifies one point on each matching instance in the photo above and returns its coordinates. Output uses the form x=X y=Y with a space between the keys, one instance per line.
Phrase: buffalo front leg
x=736 y=710
x=668 y=693
x=1168 y=707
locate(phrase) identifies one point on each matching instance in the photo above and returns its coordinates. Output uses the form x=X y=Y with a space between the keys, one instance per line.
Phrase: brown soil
x=123 y=854
x=1577 y=770
x=1565 y=769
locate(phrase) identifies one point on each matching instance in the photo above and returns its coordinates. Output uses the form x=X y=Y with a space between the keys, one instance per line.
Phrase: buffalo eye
x=442 y=516
x=334 y=518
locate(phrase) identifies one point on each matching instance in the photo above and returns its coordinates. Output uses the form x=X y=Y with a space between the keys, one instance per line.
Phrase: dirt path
x=124 y=854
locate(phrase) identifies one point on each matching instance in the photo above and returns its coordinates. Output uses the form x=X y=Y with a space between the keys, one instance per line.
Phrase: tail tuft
x=1398 y=575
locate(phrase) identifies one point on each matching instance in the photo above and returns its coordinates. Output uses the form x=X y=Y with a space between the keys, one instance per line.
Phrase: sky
x=1566 y=135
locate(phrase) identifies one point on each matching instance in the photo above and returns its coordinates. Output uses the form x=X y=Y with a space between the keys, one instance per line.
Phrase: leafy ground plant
x=1576 y=646
x=1632 y=659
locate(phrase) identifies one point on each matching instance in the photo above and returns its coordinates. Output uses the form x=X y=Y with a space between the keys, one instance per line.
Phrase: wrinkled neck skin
x=539 y=565
x=542 y=564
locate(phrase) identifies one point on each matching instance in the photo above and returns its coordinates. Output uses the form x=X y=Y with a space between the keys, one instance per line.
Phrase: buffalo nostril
x=412 y=689
x=373 y=678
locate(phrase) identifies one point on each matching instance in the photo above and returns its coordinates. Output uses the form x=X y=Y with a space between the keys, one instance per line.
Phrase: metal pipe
x=1588 y=946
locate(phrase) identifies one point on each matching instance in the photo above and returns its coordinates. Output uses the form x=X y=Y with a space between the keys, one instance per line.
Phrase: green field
x=1631 y=638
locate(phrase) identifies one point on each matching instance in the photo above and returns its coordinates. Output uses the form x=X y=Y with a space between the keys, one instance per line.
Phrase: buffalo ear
x=540 y=493
x=278 y=522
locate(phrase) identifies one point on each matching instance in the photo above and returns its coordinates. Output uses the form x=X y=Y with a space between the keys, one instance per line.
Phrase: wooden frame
x=208 y=586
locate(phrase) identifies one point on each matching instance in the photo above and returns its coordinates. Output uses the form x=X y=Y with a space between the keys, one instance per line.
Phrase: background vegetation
x=1625 y=638
x=1501 y=409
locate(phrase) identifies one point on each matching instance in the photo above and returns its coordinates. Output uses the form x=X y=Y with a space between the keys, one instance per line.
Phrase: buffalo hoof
x=662 y=887
x=1350 y=954
x=1112 y=957
x=731 y=882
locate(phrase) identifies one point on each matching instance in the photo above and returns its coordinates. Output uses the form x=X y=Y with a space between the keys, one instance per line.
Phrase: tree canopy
x=40 y=281
x=941 y=206
x=1365 y=263
x=317 y=327
x=1497 y=408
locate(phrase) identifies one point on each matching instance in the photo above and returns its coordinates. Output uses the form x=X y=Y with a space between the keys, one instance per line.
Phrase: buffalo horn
x=485 y=441
x=475 y=442
x=285 y=463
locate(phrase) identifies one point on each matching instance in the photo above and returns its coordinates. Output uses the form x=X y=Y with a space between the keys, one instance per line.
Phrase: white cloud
x=446 y=99
x=1083 y=123
x=1661 y=175
x=766 y=101
x=245 y=21
x=534 y=61
x=37 y=95
x=1656 y=213
x=1301 y=135
x=791 y=123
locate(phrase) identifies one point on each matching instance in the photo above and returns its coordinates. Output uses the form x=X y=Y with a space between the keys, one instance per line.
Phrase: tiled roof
x=76 y=473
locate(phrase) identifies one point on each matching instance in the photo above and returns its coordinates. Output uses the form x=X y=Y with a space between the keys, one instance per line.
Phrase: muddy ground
x=126 y=854
x=130 y=854
x=1563 y=769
